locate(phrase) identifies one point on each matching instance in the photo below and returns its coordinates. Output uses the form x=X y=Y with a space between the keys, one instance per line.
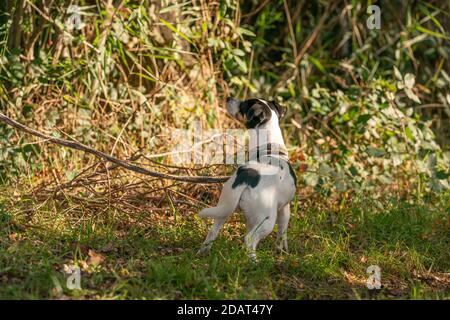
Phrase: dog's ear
x=280 y=110
x=257 y=115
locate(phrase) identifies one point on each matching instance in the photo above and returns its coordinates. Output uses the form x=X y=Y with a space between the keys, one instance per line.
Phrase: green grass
x=154 y=258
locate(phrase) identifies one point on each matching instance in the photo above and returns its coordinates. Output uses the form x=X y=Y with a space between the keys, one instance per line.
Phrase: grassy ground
x=152 y=256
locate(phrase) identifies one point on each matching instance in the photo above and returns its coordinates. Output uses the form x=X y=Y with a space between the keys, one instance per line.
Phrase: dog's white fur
x=264 y=205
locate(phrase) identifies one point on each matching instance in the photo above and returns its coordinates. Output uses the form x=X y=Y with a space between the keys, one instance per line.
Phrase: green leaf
x=341 y=186
x=442 y=174
x=410 y=79
x=238 y=52
x=362 y=119
x=385 y=179
x=431 y=32
x=412 y=95
x=70 y=175
x=375 y=152
x=324 y=169
x=178 y=32
x=409 y=134
x=241 y=63
x=397 y=74
x=311 y=178
x=245 y=32
x=317 y=64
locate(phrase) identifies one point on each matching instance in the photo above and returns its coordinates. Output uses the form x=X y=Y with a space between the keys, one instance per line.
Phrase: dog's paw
x=253 y=258
x=204 y=250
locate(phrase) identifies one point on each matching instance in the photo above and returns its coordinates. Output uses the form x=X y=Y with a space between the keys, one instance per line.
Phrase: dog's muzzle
x=233 y=106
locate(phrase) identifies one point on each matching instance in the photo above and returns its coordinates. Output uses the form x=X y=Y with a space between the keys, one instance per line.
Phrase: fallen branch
x=119 y=162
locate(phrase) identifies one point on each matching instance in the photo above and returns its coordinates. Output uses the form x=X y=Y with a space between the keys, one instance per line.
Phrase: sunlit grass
x=329 y=255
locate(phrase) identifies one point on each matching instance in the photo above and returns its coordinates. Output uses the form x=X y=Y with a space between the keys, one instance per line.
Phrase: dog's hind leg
x=228 y=201
x=258 y=232
x=283 y=222
x=212 y=235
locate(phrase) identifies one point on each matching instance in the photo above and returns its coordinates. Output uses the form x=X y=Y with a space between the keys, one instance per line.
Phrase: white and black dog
x=263 y=187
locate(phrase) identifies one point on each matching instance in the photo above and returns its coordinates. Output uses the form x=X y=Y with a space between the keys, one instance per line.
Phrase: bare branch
x=119 y=162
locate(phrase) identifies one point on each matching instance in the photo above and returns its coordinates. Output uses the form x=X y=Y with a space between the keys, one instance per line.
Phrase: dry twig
x=107 y=157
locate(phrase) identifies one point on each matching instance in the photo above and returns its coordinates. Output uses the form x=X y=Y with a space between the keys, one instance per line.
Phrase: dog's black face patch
x=246 y=176
x=279 y=110
x=254 y=112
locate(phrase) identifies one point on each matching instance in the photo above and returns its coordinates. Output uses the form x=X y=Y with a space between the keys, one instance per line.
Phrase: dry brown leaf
x=84 y=266
x=13 y=237
x=95 y=258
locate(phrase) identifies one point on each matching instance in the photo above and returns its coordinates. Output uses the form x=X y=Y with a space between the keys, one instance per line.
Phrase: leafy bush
x=133 y=71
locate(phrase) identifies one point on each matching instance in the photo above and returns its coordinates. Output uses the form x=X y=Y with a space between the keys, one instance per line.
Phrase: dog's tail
x=228 y=202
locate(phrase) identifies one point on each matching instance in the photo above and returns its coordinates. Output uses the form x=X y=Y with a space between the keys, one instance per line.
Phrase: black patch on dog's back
x=292 y=172
x=247 y=176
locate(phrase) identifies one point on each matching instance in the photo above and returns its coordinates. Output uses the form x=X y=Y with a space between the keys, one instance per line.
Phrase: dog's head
x=254 y=112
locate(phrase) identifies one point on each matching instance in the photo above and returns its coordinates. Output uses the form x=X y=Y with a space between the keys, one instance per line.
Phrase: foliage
x=134 y=73
x=372 y=137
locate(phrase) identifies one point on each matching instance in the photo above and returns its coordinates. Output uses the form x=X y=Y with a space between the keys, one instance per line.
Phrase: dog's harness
x=269 y=150
x=271 y=154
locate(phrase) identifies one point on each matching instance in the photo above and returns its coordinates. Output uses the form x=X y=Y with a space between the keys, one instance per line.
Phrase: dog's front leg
x=283 y=217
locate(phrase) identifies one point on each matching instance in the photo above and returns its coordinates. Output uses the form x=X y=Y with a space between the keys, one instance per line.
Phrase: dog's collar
x=270 y=149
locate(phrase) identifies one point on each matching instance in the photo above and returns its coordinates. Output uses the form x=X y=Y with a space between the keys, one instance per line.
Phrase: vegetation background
x=367 y=130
